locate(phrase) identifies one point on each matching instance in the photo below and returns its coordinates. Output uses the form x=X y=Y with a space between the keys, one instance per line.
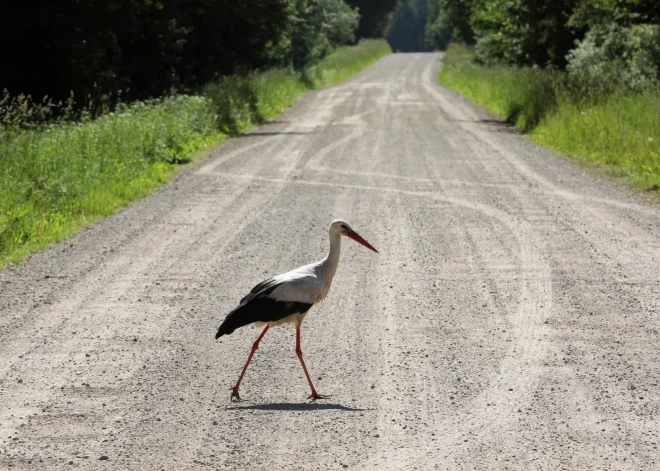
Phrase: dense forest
x=613 y=41
x=146 y=48
x=137 y=49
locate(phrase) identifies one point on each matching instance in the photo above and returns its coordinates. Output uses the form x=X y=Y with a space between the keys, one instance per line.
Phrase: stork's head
x=342 y=228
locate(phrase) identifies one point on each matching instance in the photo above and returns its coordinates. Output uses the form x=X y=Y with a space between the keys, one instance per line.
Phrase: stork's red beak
x=358 y=238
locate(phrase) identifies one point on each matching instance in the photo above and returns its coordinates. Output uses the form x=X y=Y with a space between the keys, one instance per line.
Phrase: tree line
x=596 y=41
x=134 y=49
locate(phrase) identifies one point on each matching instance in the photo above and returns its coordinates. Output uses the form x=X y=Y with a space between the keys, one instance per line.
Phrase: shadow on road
x=500 y=125
x=298 y=406
x=269 y=133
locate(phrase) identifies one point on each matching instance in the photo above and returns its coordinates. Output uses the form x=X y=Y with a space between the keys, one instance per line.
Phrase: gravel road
x=511 y=320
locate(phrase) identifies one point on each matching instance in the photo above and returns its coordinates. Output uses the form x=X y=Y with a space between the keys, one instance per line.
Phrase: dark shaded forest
x=103 y=51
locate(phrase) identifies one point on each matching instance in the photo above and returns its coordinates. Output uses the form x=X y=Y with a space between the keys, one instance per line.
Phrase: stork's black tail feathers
x=230 y=324
x=223 y=330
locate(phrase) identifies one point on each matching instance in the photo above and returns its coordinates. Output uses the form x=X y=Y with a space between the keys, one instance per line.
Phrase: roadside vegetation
x=241 y=101
x=57 y=177
x=617 y=131
x=582 y=77
x=66 y=164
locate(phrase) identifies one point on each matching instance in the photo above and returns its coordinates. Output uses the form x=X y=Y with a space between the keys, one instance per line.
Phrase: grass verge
x=615 y=131
x=243 y=101
x=58 y=177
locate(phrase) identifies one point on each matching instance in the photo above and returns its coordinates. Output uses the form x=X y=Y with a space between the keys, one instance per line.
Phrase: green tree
x=315 y=28
x=449 y=20
x=374 y=16
x=594 y=13
x=525 y=32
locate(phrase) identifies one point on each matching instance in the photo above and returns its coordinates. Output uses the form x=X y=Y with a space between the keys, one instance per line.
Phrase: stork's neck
x=329 y=263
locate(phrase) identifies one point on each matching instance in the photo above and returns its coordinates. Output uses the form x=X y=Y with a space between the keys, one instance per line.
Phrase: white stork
x=286 y=298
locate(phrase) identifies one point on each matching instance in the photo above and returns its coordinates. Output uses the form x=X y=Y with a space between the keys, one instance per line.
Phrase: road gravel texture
x=510 y=321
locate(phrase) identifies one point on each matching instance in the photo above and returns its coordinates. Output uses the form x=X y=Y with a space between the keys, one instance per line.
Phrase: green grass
x=240 y=102
x=619 y=133
x=615 y=131
x=346 y=62
x=58 y=177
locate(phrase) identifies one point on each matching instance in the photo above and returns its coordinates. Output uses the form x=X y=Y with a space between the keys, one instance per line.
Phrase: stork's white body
x=309 y=284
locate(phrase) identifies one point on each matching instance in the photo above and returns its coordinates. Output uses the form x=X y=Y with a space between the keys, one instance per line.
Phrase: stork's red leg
x=255 y=345
x=314 y=394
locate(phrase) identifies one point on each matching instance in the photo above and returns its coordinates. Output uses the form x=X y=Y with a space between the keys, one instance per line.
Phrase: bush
x=241 y=101
x=617 y=56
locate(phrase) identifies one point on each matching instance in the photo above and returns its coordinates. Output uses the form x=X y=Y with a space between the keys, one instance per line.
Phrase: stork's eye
x=343 y=226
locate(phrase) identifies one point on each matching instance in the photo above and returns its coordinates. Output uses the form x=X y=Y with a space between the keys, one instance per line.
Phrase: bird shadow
x=298 y=406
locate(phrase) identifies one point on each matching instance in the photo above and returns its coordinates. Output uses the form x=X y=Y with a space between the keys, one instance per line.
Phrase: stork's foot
x=314 y=396
x=234 y=394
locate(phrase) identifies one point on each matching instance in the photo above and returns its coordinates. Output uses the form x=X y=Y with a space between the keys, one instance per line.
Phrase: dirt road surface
x=510 y=322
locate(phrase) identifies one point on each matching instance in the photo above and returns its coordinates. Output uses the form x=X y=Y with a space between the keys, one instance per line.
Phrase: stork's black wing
x=264 y=287
x=260 y=308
